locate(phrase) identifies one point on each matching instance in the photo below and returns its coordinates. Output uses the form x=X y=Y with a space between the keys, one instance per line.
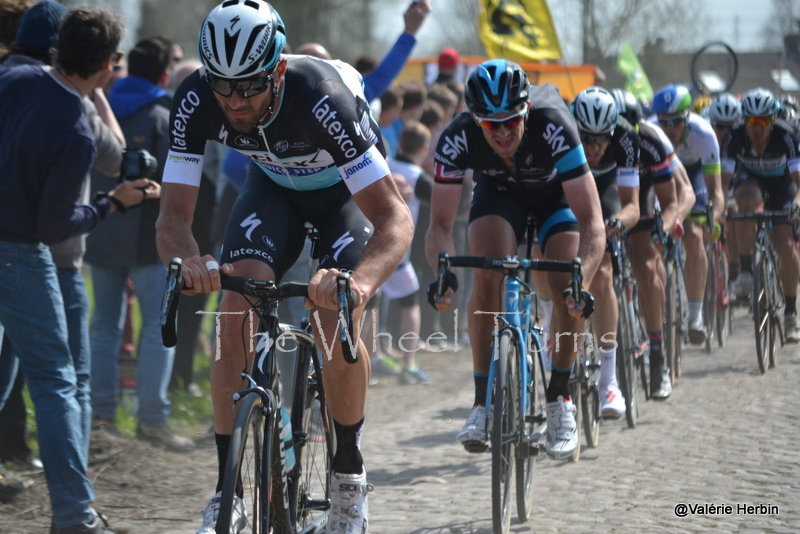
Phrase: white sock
x=608 y=367
x=695 y=310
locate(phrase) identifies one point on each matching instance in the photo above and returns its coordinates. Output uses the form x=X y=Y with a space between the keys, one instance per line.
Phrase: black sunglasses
x=247 y=88
x=600 y=139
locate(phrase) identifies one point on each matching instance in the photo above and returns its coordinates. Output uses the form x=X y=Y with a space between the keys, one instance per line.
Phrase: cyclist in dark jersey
x=764 y=155
x=524 y=148
x=316 y=157
x=612 y=151
x=657 y=187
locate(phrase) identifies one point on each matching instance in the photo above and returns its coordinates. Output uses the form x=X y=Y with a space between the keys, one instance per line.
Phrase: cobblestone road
x=728 y=436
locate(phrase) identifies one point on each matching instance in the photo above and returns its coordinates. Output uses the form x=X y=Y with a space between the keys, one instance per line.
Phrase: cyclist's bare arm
x=684 y=192
x=583 y=200
x=445 y=200
x=383 y=206
x=715 y=194
x=629 y=199
x=174 y=238
x=667 y=195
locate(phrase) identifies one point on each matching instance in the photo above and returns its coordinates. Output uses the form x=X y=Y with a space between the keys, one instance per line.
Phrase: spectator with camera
x=125 y=246
x=40 y=205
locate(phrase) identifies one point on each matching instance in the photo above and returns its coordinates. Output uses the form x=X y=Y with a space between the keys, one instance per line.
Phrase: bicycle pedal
x=475 y=447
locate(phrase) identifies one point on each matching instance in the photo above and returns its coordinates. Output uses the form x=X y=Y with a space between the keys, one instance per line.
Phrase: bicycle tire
x=761 y=317
x=590 y=398
x=681 y=327
x=245 y=466
x=314 y=443
x=776 y=304
x=532 y=420
x=670 y=322
x=724 y=308
x=710 y=56
x=710 y=300
x=625 y=355
x=503 y=425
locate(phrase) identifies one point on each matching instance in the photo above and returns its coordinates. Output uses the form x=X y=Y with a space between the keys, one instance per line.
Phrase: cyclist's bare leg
x=488 y=236
x=563 y=247
x=345 y=383
x=648 y=269
x=605 y=303
x=696 y=267
x=748 y=198
x=234 y=343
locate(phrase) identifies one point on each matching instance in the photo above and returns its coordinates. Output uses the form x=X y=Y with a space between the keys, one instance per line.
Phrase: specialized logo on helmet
x=266 y=39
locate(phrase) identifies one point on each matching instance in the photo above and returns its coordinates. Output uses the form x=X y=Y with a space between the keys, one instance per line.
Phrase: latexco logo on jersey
x=327 y=117
x=183 y=112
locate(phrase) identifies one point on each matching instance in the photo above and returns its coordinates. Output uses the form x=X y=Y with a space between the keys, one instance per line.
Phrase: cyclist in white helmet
x=317 y=157
x=612 y=151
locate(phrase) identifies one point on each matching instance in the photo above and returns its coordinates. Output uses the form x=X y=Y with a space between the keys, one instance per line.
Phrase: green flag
x=636 y=80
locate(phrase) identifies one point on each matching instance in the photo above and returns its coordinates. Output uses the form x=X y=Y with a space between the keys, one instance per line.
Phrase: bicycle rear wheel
x=314 y=445
x=761 y=318
x=246 y=468
x=533 y=425
x=505 y=399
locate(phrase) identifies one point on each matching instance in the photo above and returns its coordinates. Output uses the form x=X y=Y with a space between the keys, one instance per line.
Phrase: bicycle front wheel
x=505 y=397
x=590 y=399
x=533 y=421
x=777 y=303
x=710 y=299
x=761 y=318
x=671 y=319
x=246 y=470
x=724 y=308
x=626 y=353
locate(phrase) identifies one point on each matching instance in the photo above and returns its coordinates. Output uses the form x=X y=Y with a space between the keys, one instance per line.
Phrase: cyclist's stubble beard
x=244 y=114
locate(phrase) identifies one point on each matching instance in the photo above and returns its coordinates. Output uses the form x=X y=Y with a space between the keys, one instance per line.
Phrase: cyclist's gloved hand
x=794 y=211
x=587 y=300
x=450 y=282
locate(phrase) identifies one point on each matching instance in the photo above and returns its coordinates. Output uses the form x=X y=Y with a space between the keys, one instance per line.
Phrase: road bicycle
x=632 y=339
x=516 y=420
x=676 y=302
x=585 y=389
x=279 y=462
x=717 y=299
x=767 y=299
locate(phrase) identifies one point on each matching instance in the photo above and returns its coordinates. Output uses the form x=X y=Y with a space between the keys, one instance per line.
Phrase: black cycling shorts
x=778 y=193
x=548 y=205
x=267 y=223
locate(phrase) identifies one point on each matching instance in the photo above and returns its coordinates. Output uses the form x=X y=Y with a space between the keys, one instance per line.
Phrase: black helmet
x=628 y=106
x=496 y=86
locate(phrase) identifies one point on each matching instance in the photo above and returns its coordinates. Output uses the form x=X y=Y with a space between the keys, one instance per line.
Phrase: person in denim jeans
x=40 y=205
x=125 y=246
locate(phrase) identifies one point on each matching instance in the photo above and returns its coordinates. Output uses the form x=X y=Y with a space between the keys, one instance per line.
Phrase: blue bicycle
x=515 y=416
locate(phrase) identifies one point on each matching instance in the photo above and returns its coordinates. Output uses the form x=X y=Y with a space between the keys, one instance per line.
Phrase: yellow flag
x=636 y=80
x=518 y=30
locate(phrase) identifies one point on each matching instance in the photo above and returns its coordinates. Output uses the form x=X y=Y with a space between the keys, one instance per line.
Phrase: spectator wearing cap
x=449 y=63
x=37 y=35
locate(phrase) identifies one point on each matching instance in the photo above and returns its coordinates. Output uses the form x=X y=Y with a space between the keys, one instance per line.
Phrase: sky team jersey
x=621 y=158
x=780 y=158
x=550 y=152
x=323 y=132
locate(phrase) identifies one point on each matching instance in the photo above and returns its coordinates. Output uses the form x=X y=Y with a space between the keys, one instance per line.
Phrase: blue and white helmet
x=760 y=102
x=725 y=109
x=672 y=100
x=595 y=111
x=496 y=86
x=241 y=38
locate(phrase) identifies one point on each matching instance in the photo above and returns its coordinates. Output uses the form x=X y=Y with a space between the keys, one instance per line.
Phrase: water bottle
x=286 y=436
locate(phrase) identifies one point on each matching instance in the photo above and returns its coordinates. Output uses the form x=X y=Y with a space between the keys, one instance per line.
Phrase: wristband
x=120 y=207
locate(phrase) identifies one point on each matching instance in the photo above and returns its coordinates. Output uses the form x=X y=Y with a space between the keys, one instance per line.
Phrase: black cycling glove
x=450 y=281
x=587 y=300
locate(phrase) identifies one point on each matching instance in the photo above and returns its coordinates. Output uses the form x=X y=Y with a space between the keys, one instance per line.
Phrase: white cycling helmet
x=760 y=103
x=595 y=111
x=241 y=38
x=725 y=109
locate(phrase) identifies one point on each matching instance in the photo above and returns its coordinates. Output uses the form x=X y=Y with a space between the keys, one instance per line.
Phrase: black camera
x=138 y=163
